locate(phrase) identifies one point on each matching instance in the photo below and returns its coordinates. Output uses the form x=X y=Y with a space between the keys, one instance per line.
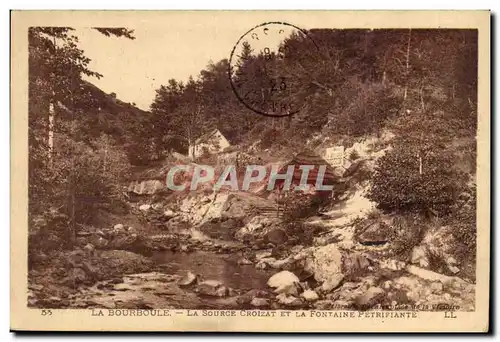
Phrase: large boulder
x=221 y=228
x=198 y=209
x=256 y=227
x=276 y=236
x=332 y=283
x=325 y=263
x=121 y=262
x=284 y=282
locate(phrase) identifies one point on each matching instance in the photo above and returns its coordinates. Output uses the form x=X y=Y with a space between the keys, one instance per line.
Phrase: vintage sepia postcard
x=250 y=171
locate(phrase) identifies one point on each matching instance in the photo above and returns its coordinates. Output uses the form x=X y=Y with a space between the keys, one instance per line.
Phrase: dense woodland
x=419 y=84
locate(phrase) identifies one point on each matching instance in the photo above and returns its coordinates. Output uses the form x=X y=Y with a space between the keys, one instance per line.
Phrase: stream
x=156 y=290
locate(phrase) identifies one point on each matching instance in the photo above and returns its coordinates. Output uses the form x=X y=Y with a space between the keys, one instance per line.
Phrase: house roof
x=307 y=157
x=209 y=135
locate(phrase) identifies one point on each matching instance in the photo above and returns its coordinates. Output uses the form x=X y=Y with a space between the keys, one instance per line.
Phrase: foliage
x=421 y=172
x=68 y=170
x=398 y=184
x=408 y=233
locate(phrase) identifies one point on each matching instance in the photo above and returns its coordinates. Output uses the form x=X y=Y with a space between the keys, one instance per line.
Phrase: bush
x=82 y=180
x=353 y=155
x=398 y=185
x=408 y=233
x=463 y=220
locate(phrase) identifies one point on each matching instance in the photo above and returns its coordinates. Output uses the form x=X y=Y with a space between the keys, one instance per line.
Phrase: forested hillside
x=402 y=103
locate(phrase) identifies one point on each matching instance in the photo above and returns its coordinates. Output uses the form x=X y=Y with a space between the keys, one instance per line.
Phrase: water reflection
x=214 y=266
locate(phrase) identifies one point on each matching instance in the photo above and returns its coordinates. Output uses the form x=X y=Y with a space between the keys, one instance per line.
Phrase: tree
x=58 y=100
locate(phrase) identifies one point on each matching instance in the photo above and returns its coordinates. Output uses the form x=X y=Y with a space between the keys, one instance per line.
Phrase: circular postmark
x=264 y=68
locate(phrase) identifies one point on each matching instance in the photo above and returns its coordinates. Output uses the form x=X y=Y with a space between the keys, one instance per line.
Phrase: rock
x=101 y=243
x=323 y=304
x=81 y=241
x=276 y=236
x=387 y=285
x=419 y=256
x=310 y=295
x=119 y=228
x=185 y=248
x=189 y=279
x=284 y=264
x=289 y=300
x=256 y=227
x=244 y=261
x=394 y=265
x=89 y=269
x=413 y=296
x=261 y=255
x=168 y=214
x=325 y=263
x=302 y=255
x=453 y=269
x=332 y=283
x=145 y=207
x=436 y=287
x=429 y=275
x=130 y=242
x=75 y=258
x=375 y=233
x=369 y=298
x=451 y=261
x=247 y=297
x=146 y=187
x=284 y=282
x=119 y=262
x=261 y=265
x=212 y=288
x=221 y=228
x=89 y=248
x=157 y=206
x=407 y=282
x=260 y=302
x=398 y=296
x=75 y=278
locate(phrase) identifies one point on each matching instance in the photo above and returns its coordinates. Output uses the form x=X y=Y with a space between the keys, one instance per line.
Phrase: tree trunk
x=72 y=191
x=51 y=131
x=421 y=92
x=407 y=70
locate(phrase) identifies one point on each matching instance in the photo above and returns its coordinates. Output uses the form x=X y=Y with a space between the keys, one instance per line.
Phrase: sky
x=133 y=69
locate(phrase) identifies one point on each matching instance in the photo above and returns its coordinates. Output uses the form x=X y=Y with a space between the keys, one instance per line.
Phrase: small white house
x=213 y=142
